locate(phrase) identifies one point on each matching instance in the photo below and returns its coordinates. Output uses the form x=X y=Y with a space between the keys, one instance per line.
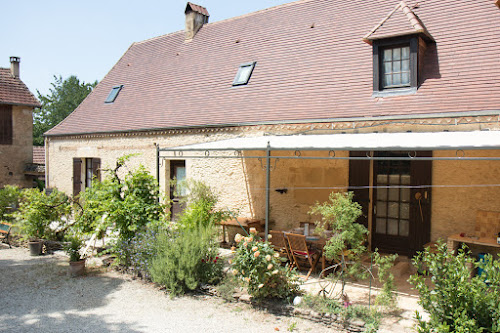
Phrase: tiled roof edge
x=234 y=126
x=88 y=96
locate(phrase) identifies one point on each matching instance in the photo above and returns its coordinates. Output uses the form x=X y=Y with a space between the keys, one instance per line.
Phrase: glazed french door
x=401 y=200
x=177 y=191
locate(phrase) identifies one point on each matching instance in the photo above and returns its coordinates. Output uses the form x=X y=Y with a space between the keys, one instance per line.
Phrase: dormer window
x=399 y=42
x=113 y=94
x=244 y=72
x=395 y=66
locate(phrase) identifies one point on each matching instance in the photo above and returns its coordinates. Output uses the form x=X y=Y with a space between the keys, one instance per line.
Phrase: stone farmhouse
x=16 y=127
x=397 y=101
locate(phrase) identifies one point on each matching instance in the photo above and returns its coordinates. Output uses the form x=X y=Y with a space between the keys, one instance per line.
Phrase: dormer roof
x=400 y=21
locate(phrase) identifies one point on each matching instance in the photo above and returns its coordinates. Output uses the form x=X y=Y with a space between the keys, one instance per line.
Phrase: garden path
x=36 y=295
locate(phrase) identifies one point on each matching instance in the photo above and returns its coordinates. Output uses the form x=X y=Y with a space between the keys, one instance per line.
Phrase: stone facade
x=460 y=187
x=13 y=158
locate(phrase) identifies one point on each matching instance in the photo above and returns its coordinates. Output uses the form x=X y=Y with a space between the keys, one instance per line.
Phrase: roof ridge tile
x=413 y=20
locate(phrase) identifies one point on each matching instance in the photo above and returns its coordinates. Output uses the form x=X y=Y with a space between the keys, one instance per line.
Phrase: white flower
x=268 y=257
x=261 y=285
x=270 y=266
x=238 y=238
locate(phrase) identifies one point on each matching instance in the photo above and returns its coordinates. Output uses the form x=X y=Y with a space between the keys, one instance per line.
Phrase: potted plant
x=36 y=212
x=76 y=260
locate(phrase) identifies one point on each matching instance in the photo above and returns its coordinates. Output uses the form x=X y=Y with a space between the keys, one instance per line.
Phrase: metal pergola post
x=268 y=186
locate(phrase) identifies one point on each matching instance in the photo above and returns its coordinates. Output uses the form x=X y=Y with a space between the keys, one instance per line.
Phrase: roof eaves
x=34 y=105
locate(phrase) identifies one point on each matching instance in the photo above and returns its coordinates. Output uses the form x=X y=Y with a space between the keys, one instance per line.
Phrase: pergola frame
x=178 y=152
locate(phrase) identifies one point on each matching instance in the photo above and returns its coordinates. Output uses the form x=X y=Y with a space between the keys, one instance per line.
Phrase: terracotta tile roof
x=311 y=64
x=400 y=21
x=198 y=9
x=14 y=91
x=38 y=155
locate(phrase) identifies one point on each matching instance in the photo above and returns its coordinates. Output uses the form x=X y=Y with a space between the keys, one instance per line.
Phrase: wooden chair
x=278 y=241
x=299 y=251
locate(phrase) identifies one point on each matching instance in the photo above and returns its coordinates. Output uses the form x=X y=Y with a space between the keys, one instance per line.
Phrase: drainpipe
x=268 y=185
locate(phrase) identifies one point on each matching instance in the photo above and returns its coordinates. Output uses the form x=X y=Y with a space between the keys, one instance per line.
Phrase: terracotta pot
x=35 y=248
x=76 y=268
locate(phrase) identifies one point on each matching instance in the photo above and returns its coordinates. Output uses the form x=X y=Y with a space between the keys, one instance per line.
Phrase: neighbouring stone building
x=395 y=100
x=16 y=127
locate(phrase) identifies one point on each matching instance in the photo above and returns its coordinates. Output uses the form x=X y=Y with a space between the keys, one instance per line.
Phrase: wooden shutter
x=421 y=175
x=6 y=124
x=96 y=168
x=77 y=176
x=359 y=176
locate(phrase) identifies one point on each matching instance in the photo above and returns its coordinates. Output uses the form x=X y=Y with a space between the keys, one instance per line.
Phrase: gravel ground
x=36 y=295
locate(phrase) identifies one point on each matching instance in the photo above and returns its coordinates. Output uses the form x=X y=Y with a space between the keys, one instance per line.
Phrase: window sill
x=395 y=92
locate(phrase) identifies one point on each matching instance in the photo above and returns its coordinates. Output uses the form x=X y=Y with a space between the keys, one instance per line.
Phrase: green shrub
x=126 y=205
x=200 y=211
x=73 y=247
x=455 y=301
x=9 y=197
x=37 y=211
x=257 y=265
x=184 y=260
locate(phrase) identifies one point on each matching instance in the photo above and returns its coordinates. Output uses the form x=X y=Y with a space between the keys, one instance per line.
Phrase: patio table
x=455 y=239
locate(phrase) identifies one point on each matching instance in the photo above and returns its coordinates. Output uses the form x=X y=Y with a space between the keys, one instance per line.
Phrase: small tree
x=347 y=245
x=340 y=213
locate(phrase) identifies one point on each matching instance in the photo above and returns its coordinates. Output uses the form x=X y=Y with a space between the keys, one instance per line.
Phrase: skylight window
x=244 y=72
x=113 y=94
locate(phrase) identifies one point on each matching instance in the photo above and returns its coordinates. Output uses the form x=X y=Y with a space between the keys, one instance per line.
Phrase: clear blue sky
x=86 y=38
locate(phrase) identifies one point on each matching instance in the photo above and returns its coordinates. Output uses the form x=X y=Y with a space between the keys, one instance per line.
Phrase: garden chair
x=5 y=232
x=278 y=241
x=300 y=252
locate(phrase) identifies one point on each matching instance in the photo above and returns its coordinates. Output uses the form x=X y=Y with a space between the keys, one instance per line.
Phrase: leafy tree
x=64 y=97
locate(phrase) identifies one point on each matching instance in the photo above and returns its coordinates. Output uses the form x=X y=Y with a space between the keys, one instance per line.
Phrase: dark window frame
x=237 y=82
x=6 y=125
x=378 y=48
x=113 y=94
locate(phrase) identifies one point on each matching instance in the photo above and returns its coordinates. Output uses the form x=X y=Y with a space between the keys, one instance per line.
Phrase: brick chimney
x=196 y=17
x=14 y=66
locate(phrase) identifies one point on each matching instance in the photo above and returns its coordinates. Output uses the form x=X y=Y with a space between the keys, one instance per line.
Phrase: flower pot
x=35 y=248
x=76 y=268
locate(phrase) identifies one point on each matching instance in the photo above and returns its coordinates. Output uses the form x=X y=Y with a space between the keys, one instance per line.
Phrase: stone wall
x=14 y=157
x=240 y=183
x=463 y=188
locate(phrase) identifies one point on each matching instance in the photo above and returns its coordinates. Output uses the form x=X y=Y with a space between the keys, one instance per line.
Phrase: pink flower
x=245 y=244
x=255 y=248
x=268 y=257
x=253 y=231
x=261 y=285
x=256 y=254
x=270 y=266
